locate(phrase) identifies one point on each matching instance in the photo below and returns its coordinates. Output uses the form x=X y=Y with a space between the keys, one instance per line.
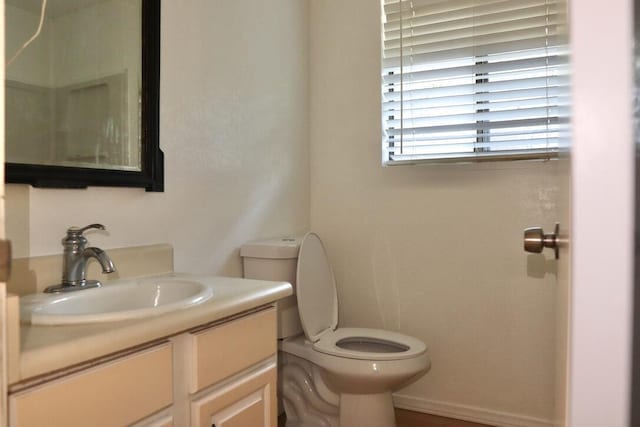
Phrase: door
x=246 y=401
x=602 y=214
x=3 y=288
x=595 y=208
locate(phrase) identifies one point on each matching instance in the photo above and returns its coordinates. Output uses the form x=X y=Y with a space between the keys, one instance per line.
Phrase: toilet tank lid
x=281 y=248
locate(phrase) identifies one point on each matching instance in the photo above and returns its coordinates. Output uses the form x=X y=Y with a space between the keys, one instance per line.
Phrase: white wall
x=431 y=251
x=234 y=128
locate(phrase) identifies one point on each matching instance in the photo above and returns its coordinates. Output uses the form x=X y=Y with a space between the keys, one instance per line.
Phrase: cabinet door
x=247 y=401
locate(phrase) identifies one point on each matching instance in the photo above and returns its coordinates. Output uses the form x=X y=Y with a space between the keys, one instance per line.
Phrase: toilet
x=329 y=376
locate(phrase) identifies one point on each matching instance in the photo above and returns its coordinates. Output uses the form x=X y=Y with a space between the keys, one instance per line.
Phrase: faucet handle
x=77 y=231
x=75 y=239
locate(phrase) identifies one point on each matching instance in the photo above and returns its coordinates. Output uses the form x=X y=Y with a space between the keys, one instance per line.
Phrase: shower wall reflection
x=73 y=96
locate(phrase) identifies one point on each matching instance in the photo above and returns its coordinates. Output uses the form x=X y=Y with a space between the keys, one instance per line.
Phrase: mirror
x=82 y=100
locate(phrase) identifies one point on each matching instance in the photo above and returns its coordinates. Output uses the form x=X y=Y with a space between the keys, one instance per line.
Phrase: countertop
x=44 y=349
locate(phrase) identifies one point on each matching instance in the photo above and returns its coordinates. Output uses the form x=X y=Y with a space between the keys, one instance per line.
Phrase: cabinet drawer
x=247 y=401
x=116 y=393
x=224 y=350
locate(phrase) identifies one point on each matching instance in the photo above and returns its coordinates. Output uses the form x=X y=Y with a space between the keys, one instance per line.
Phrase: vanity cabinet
x=221 y=374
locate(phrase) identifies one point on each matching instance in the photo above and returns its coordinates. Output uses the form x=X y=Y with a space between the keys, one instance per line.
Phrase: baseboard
x=468 y=413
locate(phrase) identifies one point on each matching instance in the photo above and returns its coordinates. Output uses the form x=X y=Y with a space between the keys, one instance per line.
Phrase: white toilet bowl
x=340 y=377
x=362 y=381
x=367 y=361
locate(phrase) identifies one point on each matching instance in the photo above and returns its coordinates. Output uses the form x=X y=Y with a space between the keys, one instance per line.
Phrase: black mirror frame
x=151 y=177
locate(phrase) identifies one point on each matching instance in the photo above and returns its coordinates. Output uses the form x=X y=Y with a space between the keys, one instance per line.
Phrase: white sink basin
x=117 y=300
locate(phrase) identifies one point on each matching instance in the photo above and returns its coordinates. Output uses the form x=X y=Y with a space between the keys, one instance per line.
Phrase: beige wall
x=431 y=251
x=234 y=129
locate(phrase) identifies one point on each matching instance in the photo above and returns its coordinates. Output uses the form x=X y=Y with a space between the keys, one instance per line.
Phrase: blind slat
x=518 y=144
x=444 y=10
x=461 y=119
x=536 y=93
x=477 y=51
x=471 y=108
x=472 y=88
x=476 y=126
x=423 y=26
x=541 y=63
x=475 y=156
x=472 y=135
x=476 y=46
x=412 y=38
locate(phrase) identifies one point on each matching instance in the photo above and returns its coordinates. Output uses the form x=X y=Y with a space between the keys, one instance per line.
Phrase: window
x=471 y=80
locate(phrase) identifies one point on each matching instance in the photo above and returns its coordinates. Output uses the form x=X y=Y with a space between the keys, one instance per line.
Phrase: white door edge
x=602 y=214
x=3 y=297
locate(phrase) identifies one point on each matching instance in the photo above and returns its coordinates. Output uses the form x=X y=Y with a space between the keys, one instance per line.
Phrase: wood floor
x=417 y=419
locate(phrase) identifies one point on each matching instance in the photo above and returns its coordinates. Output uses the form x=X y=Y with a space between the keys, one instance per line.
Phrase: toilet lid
x=316 y=289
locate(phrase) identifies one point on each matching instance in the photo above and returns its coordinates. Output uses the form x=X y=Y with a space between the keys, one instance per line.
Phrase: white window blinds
x=466 y=80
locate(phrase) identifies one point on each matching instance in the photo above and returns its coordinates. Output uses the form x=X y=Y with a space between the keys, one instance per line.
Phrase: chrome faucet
x=75 y=258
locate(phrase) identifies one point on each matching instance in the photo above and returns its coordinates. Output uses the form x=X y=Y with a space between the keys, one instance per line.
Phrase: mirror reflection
x=73 y=96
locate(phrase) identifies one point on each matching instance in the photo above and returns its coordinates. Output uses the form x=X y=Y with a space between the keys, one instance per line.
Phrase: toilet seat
x=369 y=344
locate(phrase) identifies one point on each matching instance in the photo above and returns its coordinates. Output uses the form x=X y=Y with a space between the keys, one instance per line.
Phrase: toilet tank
x=276 y=259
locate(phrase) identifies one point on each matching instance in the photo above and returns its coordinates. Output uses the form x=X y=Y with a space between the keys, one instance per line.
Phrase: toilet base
x=367 y=410
x=305 y=405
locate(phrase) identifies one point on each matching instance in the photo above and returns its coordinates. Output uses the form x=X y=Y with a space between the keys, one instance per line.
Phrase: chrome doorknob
x=535 y=240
